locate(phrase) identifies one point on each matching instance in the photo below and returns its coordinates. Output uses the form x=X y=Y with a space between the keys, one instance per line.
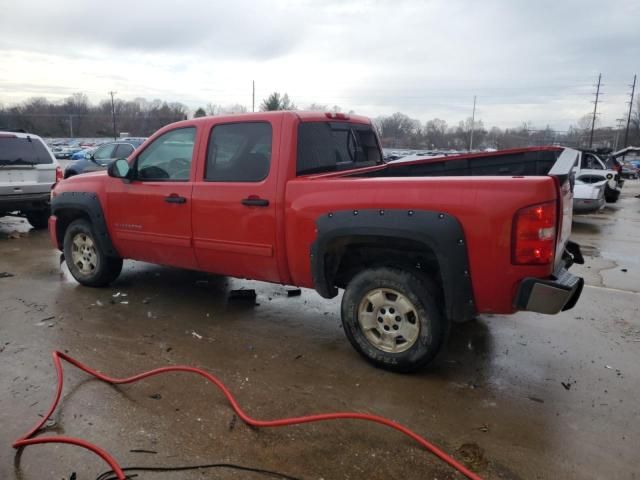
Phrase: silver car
x=28 y=172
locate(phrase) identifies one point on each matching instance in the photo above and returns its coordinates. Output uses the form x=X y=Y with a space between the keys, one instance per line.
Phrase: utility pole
x=70 y=126
x=633 y=91
x=473 y=124
x=113 y=114
x=253 y=96
x=595 y=111
x=618 y=130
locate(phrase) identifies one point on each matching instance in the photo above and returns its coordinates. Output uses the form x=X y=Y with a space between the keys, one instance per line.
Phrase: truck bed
x=516 y=162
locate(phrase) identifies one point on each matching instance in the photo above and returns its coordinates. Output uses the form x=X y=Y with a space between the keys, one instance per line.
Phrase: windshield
x=331 y=146
x=23 y=151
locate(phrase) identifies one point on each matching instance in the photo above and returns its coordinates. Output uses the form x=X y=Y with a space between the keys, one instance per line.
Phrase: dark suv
x=102 y=157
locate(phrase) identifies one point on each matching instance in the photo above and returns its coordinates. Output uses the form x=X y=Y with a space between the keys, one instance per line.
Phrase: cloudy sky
x=532 y=61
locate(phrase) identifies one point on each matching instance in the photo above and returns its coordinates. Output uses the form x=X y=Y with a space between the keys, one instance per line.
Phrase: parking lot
x=522 y=396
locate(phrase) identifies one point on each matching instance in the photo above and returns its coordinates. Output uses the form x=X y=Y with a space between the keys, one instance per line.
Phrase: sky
x=534 y=61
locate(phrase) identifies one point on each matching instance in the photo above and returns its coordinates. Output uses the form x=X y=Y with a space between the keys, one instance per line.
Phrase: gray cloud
x=525 y=60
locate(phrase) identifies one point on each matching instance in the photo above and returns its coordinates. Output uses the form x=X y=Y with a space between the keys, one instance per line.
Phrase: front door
x=234 y=202
x=150 y=216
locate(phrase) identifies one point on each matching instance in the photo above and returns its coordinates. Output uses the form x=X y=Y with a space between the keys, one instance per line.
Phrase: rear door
x=150 y=216
x=234 y=201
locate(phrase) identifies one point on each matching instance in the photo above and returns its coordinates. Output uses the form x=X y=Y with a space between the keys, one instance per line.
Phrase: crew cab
x=305 y=198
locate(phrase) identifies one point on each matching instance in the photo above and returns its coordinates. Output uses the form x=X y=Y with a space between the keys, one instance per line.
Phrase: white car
x=588 y=197
x=28 y=172
x=592 y=169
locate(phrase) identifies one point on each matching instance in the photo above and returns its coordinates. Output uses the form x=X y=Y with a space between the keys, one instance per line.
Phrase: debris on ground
x=155 y=396
x=232 y=422
x=6 y=275
x=195 y=334
x=472 y=456
x=142 y=450
x=242 y=294
x=536 y=399
x=294 y=292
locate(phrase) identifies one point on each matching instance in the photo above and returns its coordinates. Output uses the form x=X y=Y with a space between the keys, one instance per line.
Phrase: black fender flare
x=89 y=204
x=438 y=231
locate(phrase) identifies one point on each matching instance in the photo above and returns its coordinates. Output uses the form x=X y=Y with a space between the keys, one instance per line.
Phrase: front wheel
x=86 y=261
x=391 y=317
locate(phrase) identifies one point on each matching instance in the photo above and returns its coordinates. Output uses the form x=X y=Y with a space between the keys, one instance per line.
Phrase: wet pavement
x=516 y=397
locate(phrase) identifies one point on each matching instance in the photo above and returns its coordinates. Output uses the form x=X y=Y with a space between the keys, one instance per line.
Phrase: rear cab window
x=23 y=151
x=333 y=146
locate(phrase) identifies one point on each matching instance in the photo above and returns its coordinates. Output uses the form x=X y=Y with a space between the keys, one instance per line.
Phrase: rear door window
x=239 y=152
x=23 y=151
x=332 y=146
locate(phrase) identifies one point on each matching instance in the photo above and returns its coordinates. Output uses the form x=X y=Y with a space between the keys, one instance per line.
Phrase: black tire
x=39 y=219
x=421 y=292
x=94 y=268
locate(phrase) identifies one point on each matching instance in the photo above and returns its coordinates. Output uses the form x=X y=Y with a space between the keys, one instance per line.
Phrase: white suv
x=28 y=172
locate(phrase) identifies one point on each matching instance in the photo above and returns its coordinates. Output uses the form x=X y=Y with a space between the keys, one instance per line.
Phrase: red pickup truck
x=305 y=198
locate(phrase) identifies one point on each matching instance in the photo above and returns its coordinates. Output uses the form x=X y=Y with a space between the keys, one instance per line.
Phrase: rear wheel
x=391 y=317
x=38 y=219
x=86 y=261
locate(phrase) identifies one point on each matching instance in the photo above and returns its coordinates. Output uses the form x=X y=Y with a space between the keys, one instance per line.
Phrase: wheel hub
x=83 y=253
x=389 y=320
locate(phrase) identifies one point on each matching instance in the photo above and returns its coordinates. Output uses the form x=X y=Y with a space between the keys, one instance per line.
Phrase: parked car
x=82 y=154
x=102 y=156
x=588 y=197
x=630 y=171
x=304 y=198
x=28 y=172
x=592 y=169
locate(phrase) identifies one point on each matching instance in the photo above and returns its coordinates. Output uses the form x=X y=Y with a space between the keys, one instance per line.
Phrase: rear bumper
x=31 y=201
x=587 y=205
x=551 y=295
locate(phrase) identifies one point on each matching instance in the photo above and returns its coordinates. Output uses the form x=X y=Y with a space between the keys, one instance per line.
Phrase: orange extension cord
x=29 y=439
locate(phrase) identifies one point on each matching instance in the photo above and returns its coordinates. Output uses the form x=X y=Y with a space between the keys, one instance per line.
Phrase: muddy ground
x=524 y=396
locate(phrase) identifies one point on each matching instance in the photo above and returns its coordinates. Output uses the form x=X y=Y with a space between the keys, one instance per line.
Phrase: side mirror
x=88 y=156
x=119 y=169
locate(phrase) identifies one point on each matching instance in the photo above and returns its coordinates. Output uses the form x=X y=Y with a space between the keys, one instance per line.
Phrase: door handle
x=174 y=198
x=254 y=201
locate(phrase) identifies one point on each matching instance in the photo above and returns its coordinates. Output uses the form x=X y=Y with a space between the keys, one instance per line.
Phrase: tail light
x=59 y=174
x=534 y=235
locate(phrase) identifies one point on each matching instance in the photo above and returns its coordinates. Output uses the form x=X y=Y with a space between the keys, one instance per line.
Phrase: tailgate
x=562 y=171
x=25 y=179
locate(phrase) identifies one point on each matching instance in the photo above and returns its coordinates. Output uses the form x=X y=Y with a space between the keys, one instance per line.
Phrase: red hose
x=58 y=356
